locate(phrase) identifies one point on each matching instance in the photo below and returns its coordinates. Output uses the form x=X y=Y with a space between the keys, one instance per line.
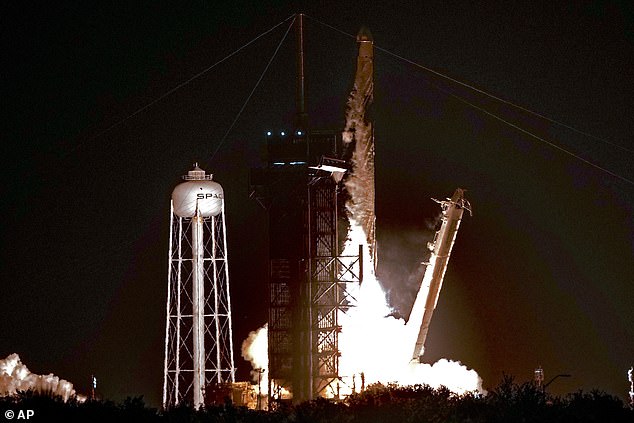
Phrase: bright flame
x=377 y=345
x=372 y=342
x=15 y=376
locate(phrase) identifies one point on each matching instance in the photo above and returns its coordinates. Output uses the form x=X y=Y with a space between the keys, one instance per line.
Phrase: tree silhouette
x=508 y=402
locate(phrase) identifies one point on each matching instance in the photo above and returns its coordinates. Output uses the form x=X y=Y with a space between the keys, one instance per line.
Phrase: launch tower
x=301 y=188
x=198 y=333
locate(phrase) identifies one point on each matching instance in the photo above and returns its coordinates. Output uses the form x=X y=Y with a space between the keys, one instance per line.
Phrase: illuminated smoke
x=358 y=135
x=15 y=377
x=377 y=345
x=255 y=349
x=372 y=342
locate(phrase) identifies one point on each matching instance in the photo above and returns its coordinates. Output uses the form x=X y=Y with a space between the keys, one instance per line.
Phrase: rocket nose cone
x=364 y=35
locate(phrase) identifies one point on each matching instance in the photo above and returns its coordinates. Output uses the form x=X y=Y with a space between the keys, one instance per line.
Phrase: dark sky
x=542 y=274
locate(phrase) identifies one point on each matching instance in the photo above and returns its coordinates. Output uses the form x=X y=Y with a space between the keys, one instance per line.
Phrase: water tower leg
x=198 y=326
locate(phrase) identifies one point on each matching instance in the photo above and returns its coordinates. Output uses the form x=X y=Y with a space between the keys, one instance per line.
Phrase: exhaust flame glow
x=374 y=346
x=255 y=349
x=15 y=376
x=377 y=345
x=373 y=343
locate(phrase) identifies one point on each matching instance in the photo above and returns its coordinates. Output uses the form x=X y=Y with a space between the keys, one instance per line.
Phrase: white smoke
x=358 y=133
x=15 y=377
x=374 y=345
x=255 y=349
x=377 y=345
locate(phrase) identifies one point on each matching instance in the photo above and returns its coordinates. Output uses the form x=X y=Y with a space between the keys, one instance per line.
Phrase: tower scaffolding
x=330 y=278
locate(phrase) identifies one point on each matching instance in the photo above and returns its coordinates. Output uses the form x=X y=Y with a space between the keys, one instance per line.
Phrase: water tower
x=198 y=333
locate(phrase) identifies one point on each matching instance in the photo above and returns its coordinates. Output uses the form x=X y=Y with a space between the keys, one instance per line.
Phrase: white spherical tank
x=198 y=191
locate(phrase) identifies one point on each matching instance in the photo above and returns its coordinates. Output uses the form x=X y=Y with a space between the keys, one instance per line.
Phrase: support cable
x=537 y=137
x=503 y=101
x=182 y=84
x=266 y=68
x=507 y=102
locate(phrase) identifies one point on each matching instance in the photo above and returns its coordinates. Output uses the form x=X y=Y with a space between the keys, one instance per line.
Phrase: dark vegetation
x=509 y=402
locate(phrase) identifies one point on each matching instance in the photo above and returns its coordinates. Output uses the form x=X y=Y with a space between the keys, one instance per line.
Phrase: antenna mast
x=300 y=96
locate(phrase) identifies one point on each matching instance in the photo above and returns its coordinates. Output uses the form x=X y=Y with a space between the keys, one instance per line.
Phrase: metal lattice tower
x=308 y=279
x=331 y=276
x=198 y=331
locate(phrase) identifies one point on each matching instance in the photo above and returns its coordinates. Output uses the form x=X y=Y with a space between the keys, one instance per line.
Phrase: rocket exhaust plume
x=375 y=346
x=255 y=350
x=15 y=376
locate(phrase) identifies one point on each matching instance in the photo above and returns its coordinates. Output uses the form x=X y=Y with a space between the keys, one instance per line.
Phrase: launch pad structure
x=302 y=190
x=309 y=279
x=312 y=199
x=429 y=291
x=307 y=192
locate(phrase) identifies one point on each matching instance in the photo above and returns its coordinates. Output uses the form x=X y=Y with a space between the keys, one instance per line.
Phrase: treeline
x=509 y=402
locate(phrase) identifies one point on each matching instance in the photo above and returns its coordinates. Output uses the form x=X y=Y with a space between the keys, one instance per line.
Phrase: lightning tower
x=301 y=189
x=198 y=332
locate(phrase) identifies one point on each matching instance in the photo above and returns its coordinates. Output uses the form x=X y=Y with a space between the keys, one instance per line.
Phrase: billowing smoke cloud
x=378 y=346
x=401 y=266
x=15 y=376
x=255 y=349
x=373 y=344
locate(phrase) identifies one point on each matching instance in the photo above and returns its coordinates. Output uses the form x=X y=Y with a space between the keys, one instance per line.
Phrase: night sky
x=542 y=274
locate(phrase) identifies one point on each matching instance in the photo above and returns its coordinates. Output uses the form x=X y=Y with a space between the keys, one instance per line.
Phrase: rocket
x=365 y=57
x=358 y=136
x=427 y=298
